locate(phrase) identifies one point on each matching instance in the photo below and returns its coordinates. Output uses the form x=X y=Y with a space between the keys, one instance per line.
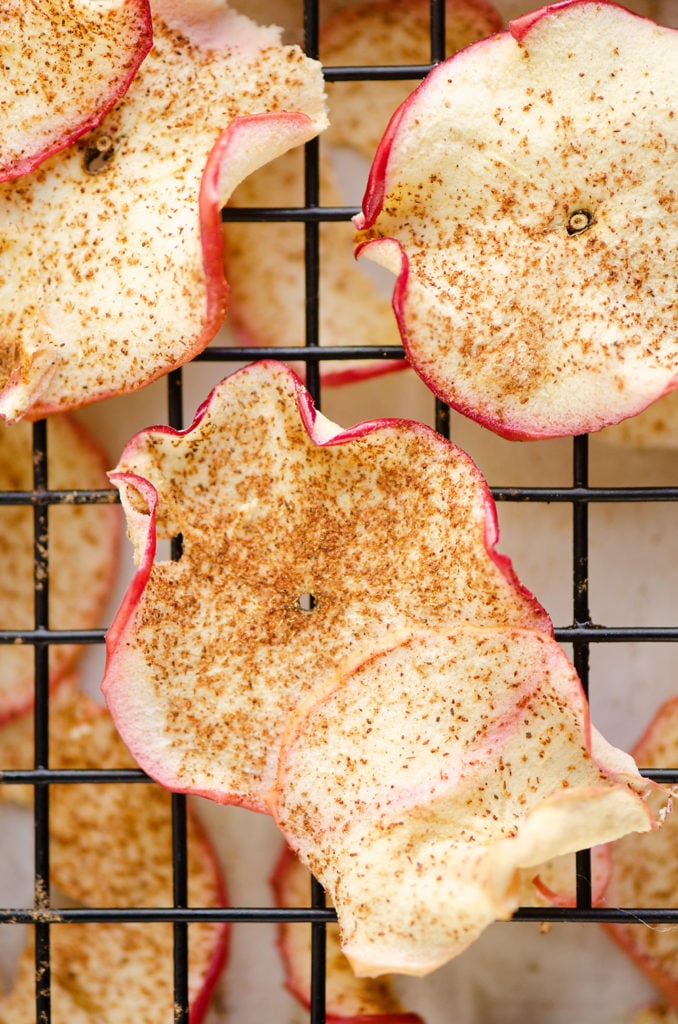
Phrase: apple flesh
x=524 y=195
x=417 y=783
x=64 y=65
x=83 y=554
x=302 y=543
x=111 y=251
x=111 y=846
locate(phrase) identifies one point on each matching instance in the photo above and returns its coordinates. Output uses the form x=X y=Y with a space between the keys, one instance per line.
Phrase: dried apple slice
x=644 y=870
x=83 y=551
x=348 y=999
x=301 y=543
x=110 y=252
x=419 y=780
x=525 y=197
x=65 y=63
x=352 y=309
x=111 y=846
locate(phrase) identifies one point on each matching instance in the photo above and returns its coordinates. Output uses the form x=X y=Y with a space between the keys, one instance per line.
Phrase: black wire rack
x=581 y=632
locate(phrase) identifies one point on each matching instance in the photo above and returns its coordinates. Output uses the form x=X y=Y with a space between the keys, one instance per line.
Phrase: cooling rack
x=592 y=490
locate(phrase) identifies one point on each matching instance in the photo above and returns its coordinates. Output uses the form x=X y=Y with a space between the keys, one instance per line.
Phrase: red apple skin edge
x=308 y=413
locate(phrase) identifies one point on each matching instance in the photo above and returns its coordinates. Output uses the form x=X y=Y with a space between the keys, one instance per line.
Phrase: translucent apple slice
x=645 y=871
x=353 y=309
x=301 y=543
x=419 y=780
x=111 y=846
x=111 y=252
x=524 y=196
x=65 y=63
x=348 y=999
x=83 y=551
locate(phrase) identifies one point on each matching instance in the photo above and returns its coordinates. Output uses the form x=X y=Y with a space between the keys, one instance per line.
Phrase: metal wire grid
x=580 y=633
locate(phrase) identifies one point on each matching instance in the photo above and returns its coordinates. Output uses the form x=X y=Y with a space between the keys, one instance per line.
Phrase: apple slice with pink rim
x=64 y=65
x=302 y=543
x=111 y=847
x=644 y=869
x=525 y=197
x=111 y=259
x=83 y=552
x=418 y=781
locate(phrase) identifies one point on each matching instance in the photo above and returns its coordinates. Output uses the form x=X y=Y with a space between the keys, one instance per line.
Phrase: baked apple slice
x=111 y=254
x=348 y=999
x=111 y=846
x=65 y=63
x=353 y=309
x=83 y=551
x=301 y=544
x=659 y=1014
x=418 y=781
x=524 y=196
x=645 y=871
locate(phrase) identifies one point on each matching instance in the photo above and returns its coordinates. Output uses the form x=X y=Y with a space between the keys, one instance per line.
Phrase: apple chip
x=645 y=871
x=418 y=780
x=111 y=846
x=83 y=549
x=110 y=252
x=348 y=999
x=524 y=195
x=301 y=543
x=352 y=308
x=64 y=63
